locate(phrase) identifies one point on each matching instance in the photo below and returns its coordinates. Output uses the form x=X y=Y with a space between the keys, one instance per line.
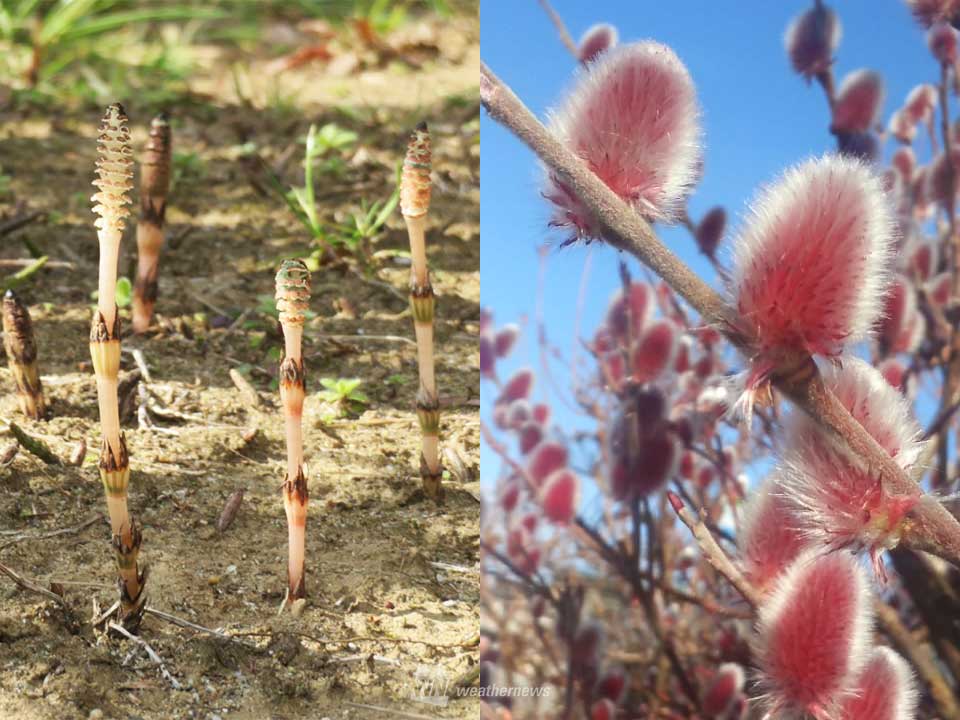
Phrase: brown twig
x=31 y=586
x=18 y=222
x=54 y=533
x=714 y=553
x=154 y=657
x=921 y=659
x=558 y=23
x=35 y=446
x=930 y=527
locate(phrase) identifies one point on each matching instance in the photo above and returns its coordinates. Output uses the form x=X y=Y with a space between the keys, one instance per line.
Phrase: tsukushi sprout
x=114 y=181
x=293 y=299
x=154 y=184
x=415 y=204
x=21 y=350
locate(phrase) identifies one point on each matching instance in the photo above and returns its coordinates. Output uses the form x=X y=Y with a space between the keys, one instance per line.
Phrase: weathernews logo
x=432 y=686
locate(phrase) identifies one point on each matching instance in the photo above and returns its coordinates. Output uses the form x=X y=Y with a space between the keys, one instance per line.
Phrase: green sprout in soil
x=44 y=39
x=415 y=190
x=114 y=181
x=343 y=393
x=293 y=298
x=154 y=185
x=21 y=350
x=124 y=292
x=326 y=143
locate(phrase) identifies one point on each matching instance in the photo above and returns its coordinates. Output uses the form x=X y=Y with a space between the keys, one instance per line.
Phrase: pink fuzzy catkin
x=905 y=162
x=769 y=538
x=840 y=501
x=902 y=126
x=884 y=691
x=921 y=101
x=633 y=118
x=811 y=264
x=942 y=41
x=559 y=496
x=813 y=635
x=597 y=39
x=723 y=690
x=858 y=102
x=811 y=40
x=928 y=12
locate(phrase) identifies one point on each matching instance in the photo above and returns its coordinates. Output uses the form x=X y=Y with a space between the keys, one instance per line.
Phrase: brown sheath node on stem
x=114 y=462
x=154 y=185
x=431 y=479
x=428 y=412
x=292 y=374
x=132 y=580
x=21 y=350
x=296 y=489
x=422 y=303
x=99 y=333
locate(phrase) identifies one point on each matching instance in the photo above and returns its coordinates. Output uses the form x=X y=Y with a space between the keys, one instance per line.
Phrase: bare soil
x=392 y=578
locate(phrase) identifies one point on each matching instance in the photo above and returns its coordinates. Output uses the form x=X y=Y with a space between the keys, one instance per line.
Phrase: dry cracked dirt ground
x=392 y=578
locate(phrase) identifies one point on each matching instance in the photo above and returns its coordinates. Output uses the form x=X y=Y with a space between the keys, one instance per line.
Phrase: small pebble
x=231 y=569
x=95 y=714
x=298 y=606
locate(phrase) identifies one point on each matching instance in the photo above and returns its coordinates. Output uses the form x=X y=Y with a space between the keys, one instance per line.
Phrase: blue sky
x=759 y=118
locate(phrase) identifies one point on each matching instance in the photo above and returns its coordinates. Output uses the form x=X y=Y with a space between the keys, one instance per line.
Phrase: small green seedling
x=343 y=393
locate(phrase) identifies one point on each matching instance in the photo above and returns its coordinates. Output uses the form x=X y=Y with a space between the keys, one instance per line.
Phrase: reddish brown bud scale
x=812 y=39
x=709 y=231
x=21 y=349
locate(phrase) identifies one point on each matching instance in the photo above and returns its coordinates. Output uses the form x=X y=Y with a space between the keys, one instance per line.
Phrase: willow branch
x=921 y=659
x=561 y=27
x=930 y=526
x=713 y=552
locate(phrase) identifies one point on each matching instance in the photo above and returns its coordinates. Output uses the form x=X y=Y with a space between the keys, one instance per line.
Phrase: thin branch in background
x=713 y=552
x=31 y=586
x=558 y=23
